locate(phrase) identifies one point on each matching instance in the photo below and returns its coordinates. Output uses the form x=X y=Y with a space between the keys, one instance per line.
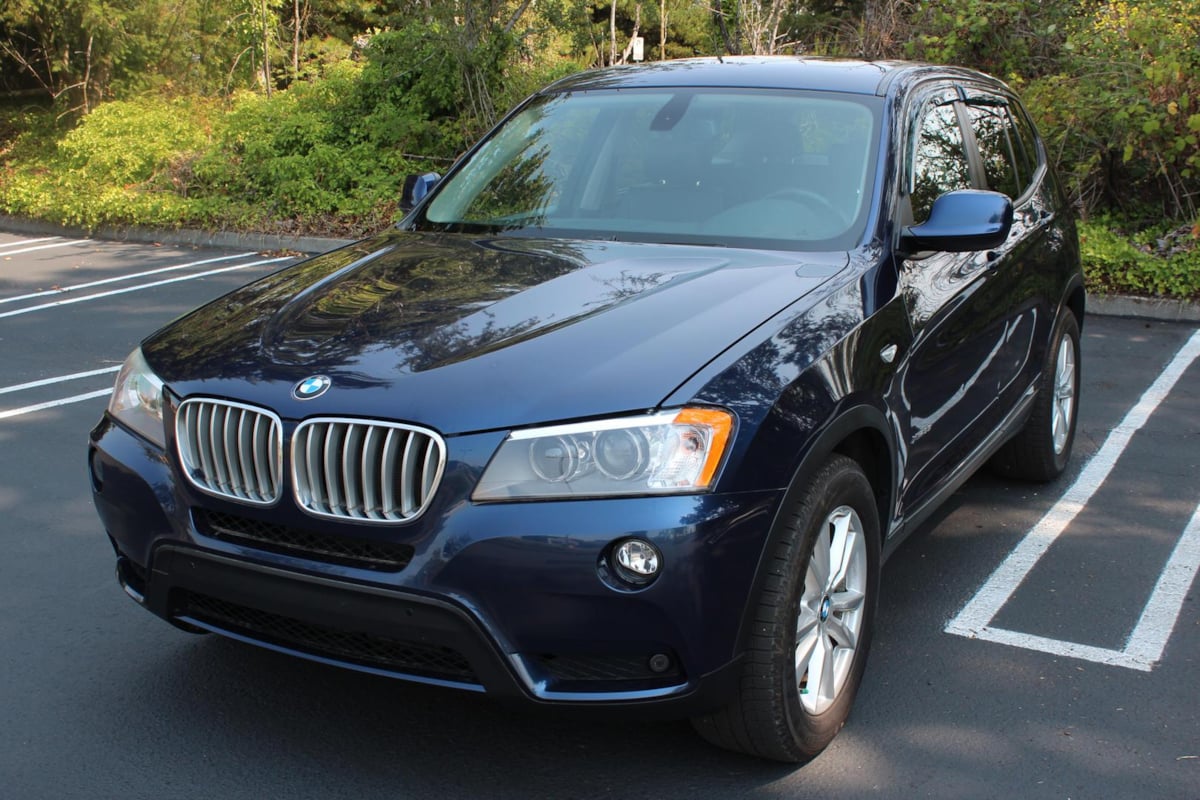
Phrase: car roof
x=767 y=72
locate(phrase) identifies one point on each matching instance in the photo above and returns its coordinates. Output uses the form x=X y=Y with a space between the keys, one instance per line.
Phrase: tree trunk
x=266 y=51
x=612 y=33
x=662 y=30
x=295 y=39
x=719 y=17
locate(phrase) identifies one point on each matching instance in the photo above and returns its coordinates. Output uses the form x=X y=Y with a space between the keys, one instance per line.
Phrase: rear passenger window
x=1028 y=156
x=939 y=160
x=996 y=139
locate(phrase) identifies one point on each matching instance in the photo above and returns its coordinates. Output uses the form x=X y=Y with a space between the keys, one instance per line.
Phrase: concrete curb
x=1100 y=305
x=181 y=237
x=1155 y=308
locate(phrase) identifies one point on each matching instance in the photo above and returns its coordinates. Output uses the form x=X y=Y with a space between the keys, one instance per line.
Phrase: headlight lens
x=137 y=399
x=672 y=452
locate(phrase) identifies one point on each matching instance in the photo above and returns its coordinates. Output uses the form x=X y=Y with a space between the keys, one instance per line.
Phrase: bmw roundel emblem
x=312 y=387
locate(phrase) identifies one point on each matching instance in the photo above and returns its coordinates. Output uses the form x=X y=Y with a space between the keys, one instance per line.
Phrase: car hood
x=466 y=334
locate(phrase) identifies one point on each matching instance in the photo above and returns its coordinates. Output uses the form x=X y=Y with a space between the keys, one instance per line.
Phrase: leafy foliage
x=1160 y=263
x=118 y=166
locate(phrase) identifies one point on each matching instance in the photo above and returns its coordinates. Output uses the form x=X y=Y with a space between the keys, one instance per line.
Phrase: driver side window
x=939 y=162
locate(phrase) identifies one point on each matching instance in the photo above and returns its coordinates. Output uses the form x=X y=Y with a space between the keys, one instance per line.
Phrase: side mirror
x=962 y=221
x=415 y=189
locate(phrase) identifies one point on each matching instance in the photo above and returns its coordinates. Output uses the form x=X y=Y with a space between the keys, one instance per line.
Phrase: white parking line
x=132 y=276
x=139 y=287
x=20 y=242
x=1161 y=614
x=60 y=379
x=79 y=398
x=1145 y=645
x=70 y=243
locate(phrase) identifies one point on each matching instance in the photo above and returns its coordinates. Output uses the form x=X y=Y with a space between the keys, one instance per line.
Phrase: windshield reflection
x=745 y=168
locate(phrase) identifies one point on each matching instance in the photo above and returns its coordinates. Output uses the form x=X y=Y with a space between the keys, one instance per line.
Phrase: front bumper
x=501 y=598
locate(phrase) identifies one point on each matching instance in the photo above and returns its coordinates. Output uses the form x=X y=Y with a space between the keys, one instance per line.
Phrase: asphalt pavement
x=1033 y=641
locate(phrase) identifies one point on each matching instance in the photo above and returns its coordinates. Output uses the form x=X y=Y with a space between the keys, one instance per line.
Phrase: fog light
x=637 y=561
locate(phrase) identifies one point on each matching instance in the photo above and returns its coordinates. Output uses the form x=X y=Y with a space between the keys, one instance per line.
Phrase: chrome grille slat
x=389 y=453
x=245 y=453
x=364 y=470
x=406 y=492
x=351 y=463
x=264 y=477
x=370 y=472
x=332 y=489
x=230 y=450
x=215 y=424
x=312 y=458
x=231 y=457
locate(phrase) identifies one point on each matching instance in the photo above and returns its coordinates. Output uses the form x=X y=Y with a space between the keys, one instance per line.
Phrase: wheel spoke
x=818 y=565
x=814 y=671
x=849 y=600
x=841 y=550
x=828 y=682
x=806 y=643
x=841 y=633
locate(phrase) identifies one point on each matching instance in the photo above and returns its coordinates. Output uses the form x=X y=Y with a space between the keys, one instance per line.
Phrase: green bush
x=1123 y=118
x=303 y=160
x=120 y=164
x=1012 y=39
x=1162 y=263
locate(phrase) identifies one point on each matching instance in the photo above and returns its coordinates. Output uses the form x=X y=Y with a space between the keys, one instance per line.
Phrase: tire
x=1041 y=449
x=778 y=714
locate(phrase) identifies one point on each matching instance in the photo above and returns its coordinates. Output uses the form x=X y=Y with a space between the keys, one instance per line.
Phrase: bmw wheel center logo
x=312 y=387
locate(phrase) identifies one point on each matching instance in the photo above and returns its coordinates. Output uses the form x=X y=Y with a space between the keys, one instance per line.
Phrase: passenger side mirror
x=415 y=189
x=962 y=221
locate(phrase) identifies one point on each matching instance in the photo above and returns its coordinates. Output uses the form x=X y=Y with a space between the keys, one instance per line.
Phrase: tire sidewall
x=846 y=486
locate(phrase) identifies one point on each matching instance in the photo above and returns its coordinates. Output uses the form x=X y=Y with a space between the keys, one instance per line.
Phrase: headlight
x=137 y=399
x=672 y=452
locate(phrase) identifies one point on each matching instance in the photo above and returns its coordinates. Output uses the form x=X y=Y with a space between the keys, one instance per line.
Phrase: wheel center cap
x=826 y=605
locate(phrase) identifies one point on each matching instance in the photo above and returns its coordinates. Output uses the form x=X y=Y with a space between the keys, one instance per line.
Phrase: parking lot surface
x=1033 y=641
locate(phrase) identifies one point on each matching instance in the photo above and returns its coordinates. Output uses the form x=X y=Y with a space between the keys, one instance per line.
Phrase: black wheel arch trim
x=849 y=423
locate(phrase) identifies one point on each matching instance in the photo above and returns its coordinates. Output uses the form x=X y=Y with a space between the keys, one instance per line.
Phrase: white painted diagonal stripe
x=20 y=242
x=74 y=376
x=85 y=298
x=76 y=287
x=1146 y=644
x=46 y=247
x=1149 y=637
x=79 y=398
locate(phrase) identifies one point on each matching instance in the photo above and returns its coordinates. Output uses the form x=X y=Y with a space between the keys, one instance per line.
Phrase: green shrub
x=120 y=164
x=1163 y=263
x=1123 y=118
x=301 y=160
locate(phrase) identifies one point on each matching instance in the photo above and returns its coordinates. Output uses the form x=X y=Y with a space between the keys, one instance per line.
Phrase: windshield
x=741 y=167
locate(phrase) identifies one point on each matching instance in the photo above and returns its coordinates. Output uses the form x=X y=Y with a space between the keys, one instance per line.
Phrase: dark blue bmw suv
x=630 y=408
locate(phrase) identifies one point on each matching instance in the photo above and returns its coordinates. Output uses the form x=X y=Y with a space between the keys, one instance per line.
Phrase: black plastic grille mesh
x=346 y=550
x=603 y=668
x=361 y=648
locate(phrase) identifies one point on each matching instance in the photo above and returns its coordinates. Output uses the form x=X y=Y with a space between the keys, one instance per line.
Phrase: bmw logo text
x=312 y=387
